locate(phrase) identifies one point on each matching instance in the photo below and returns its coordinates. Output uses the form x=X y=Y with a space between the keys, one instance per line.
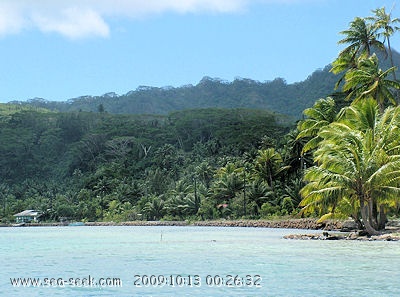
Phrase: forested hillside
x=81 y=165
x=276 y=95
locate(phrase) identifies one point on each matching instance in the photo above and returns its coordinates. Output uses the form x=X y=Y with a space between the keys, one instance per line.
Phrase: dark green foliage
x=100 y=166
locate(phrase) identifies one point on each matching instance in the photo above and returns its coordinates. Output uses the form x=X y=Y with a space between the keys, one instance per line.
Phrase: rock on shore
x=351 y=236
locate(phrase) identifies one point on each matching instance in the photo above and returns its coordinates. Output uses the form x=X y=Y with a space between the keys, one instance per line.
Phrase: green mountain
x=275 y=95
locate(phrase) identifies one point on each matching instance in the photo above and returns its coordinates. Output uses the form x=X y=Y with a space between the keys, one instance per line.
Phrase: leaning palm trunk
x=365 y=215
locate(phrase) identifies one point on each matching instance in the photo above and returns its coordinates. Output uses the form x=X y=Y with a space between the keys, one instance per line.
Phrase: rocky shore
x=308 y=223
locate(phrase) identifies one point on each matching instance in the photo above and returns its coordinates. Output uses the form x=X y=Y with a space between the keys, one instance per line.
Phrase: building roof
x=28 y=213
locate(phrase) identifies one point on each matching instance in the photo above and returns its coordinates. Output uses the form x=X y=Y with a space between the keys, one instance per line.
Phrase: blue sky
x=59 y=50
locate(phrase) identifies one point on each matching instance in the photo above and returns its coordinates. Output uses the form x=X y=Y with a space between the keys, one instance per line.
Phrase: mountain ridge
x=276 y=95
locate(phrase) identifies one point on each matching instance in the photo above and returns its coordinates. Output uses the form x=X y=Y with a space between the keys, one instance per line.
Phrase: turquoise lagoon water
x=202 y=261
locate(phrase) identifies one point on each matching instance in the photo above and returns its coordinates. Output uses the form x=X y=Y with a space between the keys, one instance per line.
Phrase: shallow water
x=192 y=261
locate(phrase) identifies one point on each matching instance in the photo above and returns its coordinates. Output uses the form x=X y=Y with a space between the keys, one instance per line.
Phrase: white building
x=27 y=216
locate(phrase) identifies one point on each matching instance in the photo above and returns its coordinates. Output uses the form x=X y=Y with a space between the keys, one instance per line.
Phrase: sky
x=58 y=50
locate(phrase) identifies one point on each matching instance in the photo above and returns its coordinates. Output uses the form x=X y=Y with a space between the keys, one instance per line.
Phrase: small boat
x=18 y=225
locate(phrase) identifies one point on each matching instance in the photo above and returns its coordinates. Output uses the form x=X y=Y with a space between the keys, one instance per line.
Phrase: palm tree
x=292 y=190
x=384 y=21
x=182 y=201
x=205 y=172
x=344 y=62
x=229 y=168
x=226 y=187
x=357 y=166
x=361 y=37
x=259 y=192
x=228 y=183
x=268 y=165
x=368 y=80
x=320 y=115
x=293 y=151
x=155 y=208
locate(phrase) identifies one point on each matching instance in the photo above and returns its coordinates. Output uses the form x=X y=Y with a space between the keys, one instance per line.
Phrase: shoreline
x=338 y=229
x=305 y=223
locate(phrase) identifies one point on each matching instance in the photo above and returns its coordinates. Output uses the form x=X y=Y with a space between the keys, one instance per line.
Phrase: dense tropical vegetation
x=341 y=160
x=99 y=166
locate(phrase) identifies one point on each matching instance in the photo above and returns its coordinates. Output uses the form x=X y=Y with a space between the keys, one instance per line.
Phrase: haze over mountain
x=275 y=95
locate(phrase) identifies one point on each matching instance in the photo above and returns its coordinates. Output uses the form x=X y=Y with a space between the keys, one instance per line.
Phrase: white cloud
x=72 y=22
x=82 y=18
x=11 y=18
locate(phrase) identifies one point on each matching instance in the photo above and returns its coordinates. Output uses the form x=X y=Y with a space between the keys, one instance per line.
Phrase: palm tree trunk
x=270 y=181
x=373 y=214
x=391 y=57
x=365 y=217
x=382 y=218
